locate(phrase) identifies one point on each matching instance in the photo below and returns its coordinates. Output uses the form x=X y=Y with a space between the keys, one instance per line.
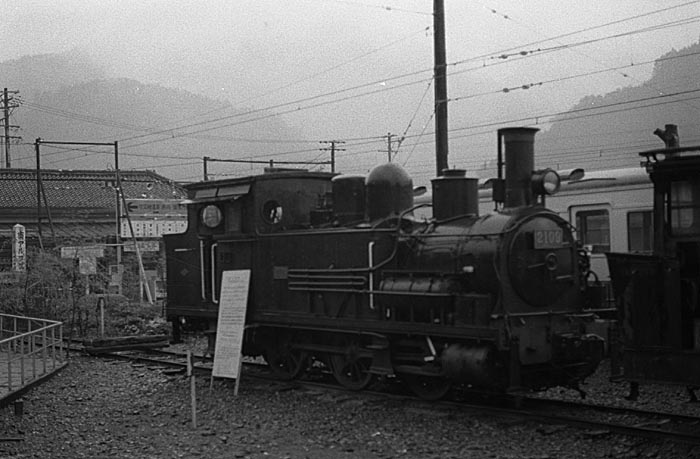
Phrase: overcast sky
x=365 y=65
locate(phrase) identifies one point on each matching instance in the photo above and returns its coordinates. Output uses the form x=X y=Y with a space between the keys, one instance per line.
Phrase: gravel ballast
x=95 y=408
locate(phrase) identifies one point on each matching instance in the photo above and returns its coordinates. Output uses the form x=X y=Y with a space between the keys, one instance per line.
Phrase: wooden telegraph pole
x=441 y=149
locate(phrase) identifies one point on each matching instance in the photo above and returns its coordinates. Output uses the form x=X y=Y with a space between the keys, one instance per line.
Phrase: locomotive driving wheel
x=427 y=387
x=351 y=368
x=285 y=361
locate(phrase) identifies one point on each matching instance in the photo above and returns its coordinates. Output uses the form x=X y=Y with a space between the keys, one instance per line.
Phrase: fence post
x=21 y=362
x=43 y=351
x=61 y=355
x=32 y=350
x=9 y=368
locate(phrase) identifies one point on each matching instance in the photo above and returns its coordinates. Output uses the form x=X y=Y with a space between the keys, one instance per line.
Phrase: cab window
x=234 y=216
x=683 y=208
x=593 y=228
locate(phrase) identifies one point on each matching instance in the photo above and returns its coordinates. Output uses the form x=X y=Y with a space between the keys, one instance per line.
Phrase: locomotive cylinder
x=475 y=364
x=519 y=146
x=454 y=194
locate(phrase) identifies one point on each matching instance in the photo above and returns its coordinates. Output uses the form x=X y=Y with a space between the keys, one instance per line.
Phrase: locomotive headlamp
x=545 y=182
x=211 y=216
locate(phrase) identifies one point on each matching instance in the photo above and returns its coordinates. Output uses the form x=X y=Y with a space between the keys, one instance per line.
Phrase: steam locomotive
x=344 y=277
x=658 y=295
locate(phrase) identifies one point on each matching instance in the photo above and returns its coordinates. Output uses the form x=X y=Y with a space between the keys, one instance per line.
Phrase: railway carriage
x=610 y=210
x=344 y=275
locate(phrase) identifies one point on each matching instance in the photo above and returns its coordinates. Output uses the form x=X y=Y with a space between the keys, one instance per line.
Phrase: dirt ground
x=96 y=408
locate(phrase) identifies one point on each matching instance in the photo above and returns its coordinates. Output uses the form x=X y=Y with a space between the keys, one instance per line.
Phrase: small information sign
x=92 y=251
x=144 y=246
x=229 y=330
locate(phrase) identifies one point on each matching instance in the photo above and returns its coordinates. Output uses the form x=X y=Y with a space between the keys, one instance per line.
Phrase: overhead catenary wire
x=538 y=118
x=298 y=151
x=292 y=110
x=169 y=131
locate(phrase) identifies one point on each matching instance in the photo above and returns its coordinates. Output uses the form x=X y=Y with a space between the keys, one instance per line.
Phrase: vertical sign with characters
x=19 y=248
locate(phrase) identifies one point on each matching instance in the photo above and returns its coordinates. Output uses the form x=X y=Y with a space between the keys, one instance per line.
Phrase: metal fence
x=29 y=348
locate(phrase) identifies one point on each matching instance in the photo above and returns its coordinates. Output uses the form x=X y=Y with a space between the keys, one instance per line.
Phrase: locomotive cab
x=234 y=211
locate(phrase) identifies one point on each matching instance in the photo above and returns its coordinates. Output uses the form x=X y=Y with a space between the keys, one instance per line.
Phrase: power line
x=296 y=102
x=312 y=106
x=385 y=7
x=171 y=134
x=588 y=29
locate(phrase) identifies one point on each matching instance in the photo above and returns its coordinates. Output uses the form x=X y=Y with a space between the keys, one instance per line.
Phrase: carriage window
x=684 y=210
x=640 y=230
x=593 y=228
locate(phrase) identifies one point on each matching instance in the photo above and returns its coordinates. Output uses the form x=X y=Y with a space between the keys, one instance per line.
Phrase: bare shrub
x=53 y=288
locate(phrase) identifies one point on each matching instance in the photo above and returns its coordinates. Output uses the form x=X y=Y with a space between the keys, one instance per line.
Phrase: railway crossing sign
x=233 y=302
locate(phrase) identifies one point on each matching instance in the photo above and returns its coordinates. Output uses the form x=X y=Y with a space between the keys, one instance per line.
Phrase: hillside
x=607 y=131
x=68 y=98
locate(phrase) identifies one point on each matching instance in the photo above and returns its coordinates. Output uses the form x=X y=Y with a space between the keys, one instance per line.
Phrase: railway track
x=603 y=420
x=596 y=420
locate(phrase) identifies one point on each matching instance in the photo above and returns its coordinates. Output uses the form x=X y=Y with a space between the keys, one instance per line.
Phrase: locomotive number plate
x=549 y=239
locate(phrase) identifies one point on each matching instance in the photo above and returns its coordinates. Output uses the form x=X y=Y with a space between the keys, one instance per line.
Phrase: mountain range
x=67 y=96
x=607 y=131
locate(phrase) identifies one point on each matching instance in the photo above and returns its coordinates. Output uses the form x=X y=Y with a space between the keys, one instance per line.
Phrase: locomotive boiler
x=345 y=278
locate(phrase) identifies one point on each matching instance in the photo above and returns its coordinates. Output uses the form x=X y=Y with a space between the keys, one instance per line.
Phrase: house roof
x=79 y=233
x=81 y=189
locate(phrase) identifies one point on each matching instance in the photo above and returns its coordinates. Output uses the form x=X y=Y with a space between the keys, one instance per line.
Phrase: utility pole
x=120 y=198
x=440 y=86
x=332 y=149
x=389 y=146
x=206 y=172
x=6 y=106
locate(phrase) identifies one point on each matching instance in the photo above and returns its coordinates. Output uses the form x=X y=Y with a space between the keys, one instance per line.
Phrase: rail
x=32 y=347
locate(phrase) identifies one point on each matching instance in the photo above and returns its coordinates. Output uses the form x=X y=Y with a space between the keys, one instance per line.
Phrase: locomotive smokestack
x=519 y=144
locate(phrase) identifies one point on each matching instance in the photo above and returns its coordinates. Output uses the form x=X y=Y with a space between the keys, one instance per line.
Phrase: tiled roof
x=79 y=232
x=81 y=189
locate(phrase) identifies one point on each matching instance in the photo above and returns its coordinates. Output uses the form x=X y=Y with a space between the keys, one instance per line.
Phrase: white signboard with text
x=154 y=217
x=88 y=251
x=233 y=302
x=153 y=227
